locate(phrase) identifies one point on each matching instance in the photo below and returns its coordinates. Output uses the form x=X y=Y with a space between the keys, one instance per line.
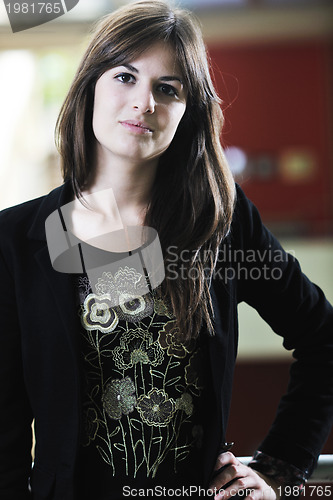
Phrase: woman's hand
x=251 y=484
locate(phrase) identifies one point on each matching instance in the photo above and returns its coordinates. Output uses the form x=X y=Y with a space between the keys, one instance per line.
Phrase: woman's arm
x=15 y=412
x=297 y=310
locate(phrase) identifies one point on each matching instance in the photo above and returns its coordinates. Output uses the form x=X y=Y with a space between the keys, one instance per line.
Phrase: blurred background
x=272 y=62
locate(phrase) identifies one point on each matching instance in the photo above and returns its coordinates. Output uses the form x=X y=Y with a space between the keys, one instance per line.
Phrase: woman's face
x=138 y=107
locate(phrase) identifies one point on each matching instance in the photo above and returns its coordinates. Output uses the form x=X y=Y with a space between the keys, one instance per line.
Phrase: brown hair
x=193 y=195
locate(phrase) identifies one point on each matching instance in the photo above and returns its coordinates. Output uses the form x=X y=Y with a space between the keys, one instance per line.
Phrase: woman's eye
x=125 y=78
x=168 y=90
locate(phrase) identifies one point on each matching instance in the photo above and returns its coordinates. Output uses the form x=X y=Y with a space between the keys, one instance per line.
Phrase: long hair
x=193 y=195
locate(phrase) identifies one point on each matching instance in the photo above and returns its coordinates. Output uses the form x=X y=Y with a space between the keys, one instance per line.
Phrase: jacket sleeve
x=15 y=412
x=272 y=282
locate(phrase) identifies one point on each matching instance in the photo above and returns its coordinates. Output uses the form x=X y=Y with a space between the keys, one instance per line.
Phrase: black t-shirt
x=144 y=393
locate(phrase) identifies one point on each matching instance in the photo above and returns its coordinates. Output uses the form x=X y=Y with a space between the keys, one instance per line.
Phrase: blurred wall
x=278 y=105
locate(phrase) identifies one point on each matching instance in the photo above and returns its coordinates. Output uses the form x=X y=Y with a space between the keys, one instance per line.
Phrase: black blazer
x=40 y=362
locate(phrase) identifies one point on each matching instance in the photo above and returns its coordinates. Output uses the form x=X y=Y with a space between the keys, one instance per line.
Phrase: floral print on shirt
x=142 y=383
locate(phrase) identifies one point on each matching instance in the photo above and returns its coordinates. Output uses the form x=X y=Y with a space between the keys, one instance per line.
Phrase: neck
x=131 y=185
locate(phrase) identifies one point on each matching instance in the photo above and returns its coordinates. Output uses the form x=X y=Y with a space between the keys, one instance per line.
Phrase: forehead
x=160 y=56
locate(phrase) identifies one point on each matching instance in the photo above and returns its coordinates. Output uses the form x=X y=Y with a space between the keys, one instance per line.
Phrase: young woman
x=129 y=379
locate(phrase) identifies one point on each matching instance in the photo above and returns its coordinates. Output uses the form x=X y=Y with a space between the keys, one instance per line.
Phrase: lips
x=136 y=126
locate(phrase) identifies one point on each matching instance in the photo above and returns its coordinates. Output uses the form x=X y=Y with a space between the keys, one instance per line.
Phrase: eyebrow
x=170 y=78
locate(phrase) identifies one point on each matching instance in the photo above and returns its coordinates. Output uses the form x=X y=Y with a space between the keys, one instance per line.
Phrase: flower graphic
x=119 y=398
x=155 y=408
x=91 y=424
x=193 y=371
x=84 y=288
x=185 y=403
x=98 y=314
x=162 y=308
x=135 y=348
x=135 y=309
x=125 y=281
x=168 y=339
x=128 y=290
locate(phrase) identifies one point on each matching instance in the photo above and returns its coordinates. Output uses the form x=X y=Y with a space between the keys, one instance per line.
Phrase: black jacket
x=40 y=363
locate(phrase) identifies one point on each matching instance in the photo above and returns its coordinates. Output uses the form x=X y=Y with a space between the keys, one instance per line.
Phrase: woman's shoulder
x=19 y=218
x=16 y=221
x=246 y=219
x=244 y=207
x=21 y=211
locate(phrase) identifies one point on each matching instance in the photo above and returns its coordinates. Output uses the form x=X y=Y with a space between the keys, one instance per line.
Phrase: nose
x=144 y=100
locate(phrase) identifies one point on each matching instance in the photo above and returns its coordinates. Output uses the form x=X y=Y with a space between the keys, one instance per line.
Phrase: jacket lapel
x=63 y=293
x=60 y=284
